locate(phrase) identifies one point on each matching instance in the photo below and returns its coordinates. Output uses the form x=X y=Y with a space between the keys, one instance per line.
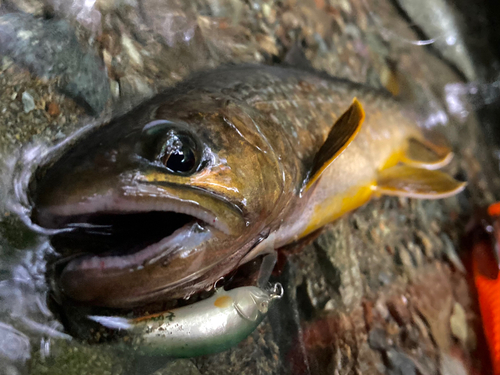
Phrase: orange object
x=485 y=269
x=494 y=209
x=488 y=291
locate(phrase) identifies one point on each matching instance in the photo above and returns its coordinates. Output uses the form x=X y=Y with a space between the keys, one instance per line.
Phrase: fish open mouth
x=116 y=234
x=119 y=237
x=120 y=251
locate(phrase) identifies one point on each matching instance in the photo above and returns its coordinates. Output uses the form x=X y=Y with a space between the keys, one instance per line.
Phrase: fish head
x=159 y=203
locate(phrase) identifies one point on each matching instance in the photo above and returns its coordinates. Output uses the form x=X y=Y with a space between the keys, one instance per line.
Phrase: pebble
x=132 y=52
x=179 y=367
x=28 y=102
x=458 y=323
x=400 y=363
x=133 y=85
x=53 y=109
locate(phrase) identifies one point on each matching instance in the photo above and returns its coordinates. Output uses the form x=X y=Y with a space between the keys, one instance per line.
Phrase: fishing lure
x=209 y=326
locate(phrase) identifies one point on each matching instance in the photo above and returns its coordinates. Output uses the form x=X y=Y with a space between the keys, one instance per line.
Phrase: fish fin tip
x=424 y=154
x=342 y=133
x=408 y=181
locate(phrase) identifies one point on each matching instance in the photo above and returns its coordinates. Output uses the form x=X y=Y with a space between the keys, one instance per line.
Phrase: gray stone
x=400 y=363
x=28 y=102
x=50 y=49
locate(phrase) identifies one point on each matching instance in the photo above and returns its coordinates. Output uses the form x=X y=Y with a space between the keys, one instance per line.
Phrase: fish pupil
x=170 y=147
x=182 y=160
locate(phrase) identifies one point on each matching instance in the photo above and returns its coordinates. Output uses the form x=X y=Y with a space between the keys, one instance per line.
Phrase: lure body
x=209 y=326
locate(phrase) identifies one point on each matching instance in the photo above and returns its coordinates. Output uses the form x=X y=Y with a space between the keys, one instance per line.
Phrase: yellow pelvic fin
x=423 y=154
x=341 y=135
x=408 y=181
x=338 y=205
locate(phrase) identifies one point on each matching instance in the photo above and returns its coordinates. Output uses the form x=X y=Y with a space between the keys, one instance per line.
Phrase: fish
x=229 y=165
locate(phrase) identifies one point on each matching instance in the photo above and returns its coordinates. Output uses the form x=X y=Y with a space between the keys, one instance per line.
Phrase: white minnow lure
x=209 y=326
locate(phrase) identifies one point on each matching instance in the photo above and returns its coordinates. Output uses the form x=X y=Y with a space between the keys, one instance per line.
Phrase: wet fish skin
x=259 y=129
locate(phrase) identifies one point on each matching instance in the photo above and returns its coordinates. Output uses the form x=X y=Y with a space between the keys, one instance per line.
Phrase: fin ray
x=407 y=181
x=341 y=135
x=423 y=154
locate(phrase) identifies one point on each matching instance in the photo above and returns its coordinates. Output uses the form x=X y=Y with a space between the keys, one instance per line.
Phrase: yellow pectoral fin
x=407 y=181
x=341 y=135
x=423 y=154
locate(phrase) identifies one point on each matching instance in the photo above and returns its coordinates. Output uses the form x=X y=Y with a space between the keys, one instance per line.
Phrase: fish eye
x=177 y=154
x=169 y=146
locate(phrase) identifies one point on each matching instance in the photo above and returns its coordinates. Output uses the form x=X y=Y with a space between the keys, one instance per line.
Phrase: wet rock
x=432 y=297
x=28 y=102
x=49 y=48
x=173 y=20
x=34 y=7
x=131 y=50
x=451 y=253
x=14 y=345
x=377 y=339
x=442 y=25
x=258 y=354
x=133 y=86
x=399 y=363
x=84 y=12
x=179 y=367
x=452 y=366
x=53 y=109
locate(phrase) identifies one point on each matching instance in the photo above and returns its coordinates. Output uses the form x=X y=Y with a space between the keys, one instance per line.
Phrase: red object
x=485 y=270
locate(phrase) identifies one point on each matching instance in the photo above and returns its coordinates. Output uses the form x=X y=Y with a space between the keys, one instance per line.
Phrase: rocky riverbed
x=381 y=291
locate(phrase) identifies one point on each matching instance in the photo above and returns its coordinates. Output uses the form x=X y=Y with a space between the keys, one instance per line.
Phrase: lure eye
x=169 y=145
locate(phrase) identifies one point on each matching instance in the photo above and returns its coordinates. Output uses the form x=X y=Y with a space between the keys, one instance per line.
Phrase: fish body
x=227 y=163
